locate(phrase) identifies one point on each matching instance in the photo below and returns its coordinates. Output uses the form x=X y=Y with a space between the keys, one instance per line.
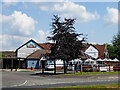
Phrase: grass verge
x=115 y=85
x=91 y=73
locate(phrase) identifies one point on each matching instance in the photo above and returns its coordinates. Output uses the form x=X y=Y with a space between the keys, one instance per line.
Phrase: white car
x=51 y=67
x=103 y=69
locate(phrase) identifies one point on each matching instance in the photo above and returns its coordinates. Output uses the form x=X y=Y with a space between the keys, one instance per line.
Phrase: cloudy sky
x=22 y=21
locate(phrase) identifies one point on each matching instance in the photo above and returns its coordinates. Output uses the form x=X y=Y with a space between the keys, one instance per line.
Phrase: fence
x=86 y=67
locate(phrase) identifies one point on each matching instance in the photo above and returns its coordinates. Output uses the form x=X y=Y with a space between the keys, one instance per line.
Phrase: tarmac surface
x=34 y=79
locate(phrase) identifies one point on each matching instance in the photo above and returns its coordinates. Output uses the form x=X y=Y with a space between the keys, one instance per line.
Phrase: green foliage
x=92 y=73
x=1 y=55
x=114 y=49
x=67 y=46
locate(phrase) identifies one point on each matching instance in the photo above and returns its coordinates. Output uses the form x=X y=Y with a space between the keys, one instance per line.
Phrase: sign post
x=81 y=67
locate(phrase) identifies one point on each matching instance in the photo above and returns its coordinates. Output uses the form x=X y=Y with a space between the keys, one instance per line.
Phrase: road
x=34 y=79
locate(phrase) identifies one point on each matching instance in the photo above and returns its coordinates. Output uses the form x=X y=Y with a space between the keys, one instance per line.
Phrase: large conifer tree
x=67 y=46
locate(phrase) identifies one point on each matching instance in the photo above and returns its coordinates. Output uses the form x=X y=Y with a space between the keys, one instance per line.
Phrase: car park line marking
x=20 y=84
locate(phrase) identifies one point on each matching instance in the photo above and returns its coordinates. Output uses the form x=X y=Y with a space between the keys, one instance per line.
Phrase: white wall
x=92 y=51
x=23 y=52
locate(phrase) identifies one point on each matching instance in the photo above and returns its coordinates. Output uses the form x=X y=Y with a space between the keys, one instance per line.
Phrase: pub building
x=29 y=55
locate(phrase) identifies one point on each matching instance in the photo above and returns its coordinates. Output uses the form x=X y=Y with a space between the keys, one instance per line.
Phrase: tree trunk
x=54 y=67
x=65 y=67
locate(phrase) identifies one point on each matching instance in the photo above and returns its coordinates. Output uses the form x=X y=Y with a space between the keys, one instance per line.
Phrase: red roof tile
x=46 y=46
x=101 y=49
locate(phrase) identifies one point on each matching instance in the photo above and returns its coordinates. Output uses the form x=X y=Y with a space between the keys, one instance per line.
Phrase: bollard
x=31 y=68
x=16 y=68
x=81 y=68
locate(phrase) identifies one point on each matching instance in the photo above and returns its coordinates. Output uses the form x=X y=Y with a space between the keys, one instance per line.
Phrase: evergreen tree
x=116 y=45
x=67 y=46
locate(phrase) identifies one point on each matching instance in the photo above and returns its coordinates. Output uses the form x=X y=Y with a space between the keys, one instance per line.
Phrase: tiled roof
x=10 y=53
x=38 y=54
x=100 y=48
x=46 y=46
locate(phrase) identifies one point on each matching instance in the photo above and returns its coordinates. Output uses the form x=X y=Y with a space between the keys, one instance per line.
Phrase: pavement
x=34 y=79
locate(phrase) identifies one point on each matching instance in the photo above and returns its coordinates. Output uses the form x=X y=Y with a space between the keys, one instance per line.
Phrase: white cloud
x=72 y=10
x=11 y=42
x=17 y=28
x=111 y=17
x=19 y=23
x=42 y=36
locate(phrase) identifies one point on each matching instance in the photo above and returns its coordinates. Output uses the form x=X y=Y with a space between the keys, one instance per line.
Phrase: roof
x=46 y=46
x=27 y=43
x=85 y=47
x=100 y=48
x=38 y=54
x=8 y=53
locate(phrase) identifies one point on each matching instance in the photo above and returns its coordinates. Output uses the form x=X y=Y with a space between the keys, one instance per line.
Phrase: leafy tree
x=116 y=45
x=1 y=55
x=114 y=49
x=67 y=46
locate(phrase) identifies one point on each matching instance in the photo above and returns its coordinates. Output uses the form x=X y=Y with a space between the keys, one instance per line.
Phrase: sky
x=22 y=21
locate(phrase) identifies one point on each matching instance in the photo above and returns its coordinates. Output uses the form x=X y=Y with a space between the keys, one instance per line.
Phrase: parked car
x=70 y=67
x=49 y=67
x=102 y=68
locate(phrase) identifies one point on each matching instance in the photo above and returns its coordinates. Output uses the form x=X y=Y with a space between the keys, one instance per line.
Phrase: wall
x=25 y=51
x=92 y=51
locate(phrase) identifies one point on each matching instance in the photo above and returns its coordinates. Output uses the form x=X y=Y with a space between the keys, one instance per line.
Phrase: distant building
x=29 y=55
x=96 y=51
x=6 y=55
x=32 y=53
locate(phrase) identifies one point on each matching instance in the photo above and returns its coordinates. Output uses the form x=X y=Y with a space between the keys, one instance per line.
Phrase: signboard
x=31 y=44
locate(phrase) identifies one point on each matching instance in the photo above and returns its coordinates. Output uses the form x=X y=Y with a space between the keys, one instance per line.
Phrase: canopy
x=110 y=60
x=99 y=60
x=89 y=60
x=115 y=60
x=106 y=59
x=77 y=60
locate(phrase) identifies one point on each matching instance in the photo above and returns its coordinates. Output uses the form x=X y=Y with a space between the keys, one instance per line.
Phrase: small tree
x=114 y=49
x=67 y=46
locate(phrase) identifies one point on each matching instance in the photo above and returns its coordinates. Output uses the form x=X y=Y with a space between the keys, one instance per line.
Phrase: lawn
x=91 y=73
x=115 y=85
